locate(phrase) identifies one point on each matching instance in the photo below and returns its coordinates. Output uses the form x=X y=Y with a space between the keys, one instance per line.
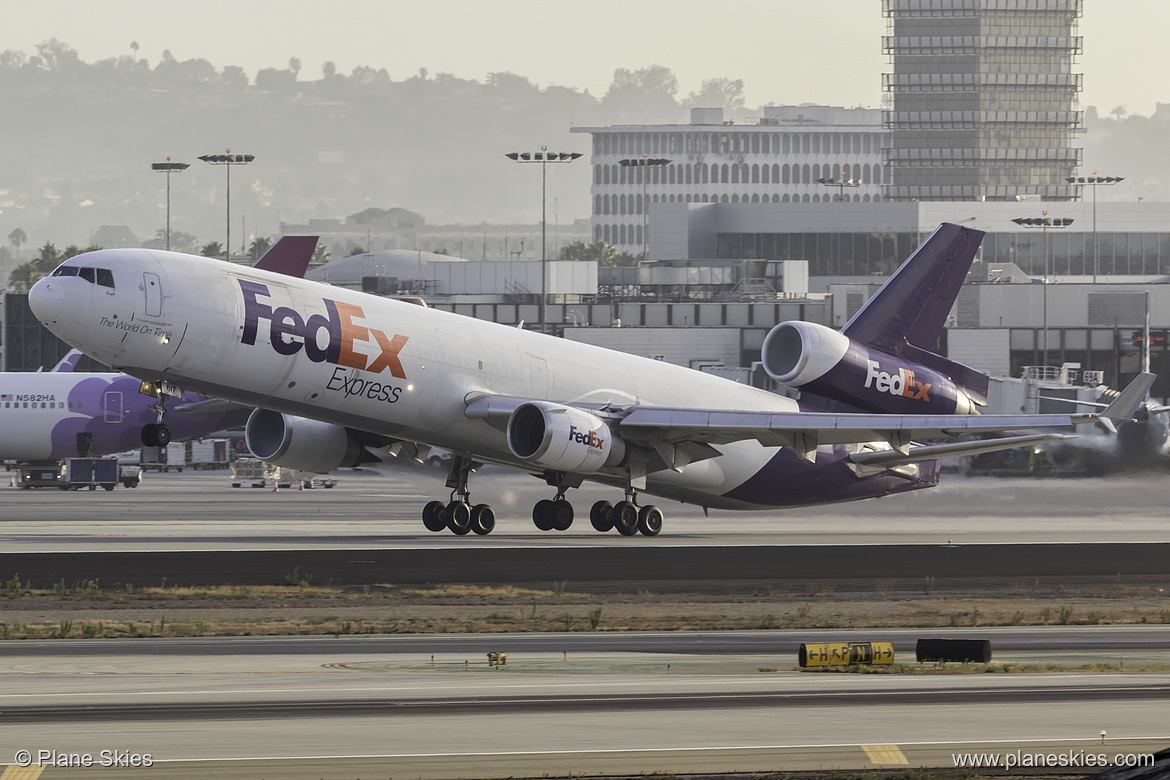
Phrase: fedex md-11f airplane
x=337 y=373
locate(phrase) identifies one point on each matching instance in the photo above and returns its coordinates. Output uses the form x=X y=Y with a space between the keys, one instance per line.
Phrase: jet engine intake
x=563 y=438
x=300 y=443
x=821 y=361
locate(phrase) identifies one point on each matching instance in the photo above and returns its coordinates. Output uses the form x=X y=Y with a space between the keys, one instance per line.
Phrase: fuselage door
x=113 y=404
x=153 y=287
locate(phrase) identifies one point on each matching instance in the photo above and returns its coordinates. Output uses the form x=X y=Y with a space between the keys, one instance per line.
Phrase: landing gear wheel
x=483 y=519
x=562 y=515
x=433 y=516
x=625 y=517
x=458 y=517
x=162 y=435
x=650 y=520
x=599 y=516
x=147 y=435
x=542 y=514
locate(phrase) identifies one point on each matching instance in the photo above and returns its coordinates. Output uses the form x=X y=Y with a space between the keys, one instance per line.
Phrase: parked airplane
x=58 y=414
x=360 y=371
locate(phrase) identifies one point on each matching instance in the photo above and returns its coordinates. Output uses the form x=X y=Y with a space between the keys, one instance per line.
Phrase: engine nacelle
x=562 y=438
x=299 y=443
x=822 y=361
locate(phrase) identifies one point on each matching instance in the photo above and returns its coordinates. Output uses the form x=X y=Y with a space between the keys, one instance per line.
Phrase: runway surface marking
x=620 y=751
x=885 y=755
x=14 y=772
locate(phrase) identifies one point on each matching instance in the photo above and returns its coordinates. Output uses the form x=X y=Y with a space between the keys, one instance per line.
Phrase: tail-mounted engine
x=563 y=438
x=301 y=444
x=822 y=361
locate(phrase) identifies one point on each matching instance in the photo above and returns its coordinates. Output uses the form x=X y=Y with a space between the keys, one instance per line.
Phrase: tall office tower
x=982 y=99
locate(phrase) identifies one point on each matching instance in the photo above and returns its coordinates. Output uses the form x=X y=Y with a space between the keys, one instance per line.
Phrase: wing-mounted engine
x=302 y=444
x=822 y=361
x=563 y=438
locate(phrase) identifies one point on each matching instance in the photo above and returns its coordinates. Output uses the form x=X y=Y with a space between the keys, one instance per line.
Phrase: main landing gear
x=459 y=515
x=157 y=434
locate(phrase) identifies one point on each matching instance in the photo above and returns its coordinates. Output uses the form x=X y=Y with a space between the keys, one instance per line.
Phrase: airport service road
x=394 y=714
x=379 y=508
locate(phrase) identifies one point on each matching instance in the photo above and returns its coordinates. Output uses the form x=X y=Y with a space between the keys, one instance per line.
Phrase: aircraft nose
x=46 y=298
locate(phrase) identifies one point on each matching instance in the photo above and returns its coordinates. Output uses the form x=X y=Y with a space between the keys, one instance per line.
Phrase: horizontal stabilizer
x=891 y=458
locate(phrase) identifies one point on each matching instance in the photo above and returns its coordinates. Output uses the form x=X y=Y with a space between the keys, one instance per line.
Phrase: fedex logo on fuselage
x=340 y=326
x=902 y=383
x=588 y=438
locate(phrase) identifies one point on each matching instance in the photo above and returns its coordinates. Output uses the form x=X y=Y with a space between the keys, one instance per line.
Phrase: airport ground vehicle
x=254 y=472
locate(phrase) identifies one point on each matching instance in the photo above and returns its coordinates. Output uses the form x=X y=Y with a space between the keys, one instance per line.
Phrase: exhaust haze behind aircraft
x=336 y=373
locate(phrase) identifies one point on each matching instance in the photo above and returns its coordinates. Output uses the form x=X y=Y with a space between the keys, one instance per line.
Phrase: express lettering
x=290 y=332
x=902 y=383
x=351 y=385
x=588 y=438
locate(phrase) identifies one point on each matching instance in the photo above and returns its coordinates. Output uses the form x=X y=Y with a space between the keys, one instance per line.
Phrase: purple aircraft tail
x=906 y=316
x=289 y=256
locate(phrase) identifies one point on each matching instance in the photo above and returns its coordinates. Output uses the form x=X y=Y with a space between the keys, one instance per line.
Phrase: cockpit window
x=102 y=276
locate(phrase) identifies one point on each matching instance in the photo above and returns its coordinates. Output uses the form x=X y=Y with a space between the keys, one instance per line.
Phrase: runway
x=250 y=707
x=378 y=508
x=581 y=703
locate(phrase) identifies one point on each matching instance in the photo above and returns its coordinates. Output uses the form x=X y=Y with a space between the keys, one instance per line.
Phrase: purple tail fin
x=906 y=316
x=289 y=256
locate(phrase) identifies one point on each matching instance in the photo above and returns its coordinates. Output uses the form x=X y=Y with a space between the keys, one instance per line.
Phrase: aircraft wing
x=210 y=406
x=804 y=431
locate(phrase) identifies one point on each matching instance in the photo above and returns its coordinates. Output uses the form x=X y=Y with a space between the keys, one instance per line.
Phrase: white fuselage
x=374 y=364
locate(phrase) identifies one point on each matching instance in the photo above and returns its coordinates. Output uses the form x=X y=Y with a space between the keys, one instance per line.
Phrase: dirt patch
x=85 y=610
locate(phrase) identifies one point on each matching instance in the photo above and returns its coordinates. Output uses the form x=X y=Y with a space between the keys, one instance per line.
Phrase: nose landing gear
x=157 y=434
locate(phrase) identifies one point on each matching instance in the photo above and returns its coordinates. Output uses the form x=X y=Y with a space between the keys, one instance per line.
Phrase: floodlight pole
x=642 y=163
x=841 y=182
x=168 y=168
x=1094 y=180
x=228 y=159
x=543 y=157
x=1044 y=222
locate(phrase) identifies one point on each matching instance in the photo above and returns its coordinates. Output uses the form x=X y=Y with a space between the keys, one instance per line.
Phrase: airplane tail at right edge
x=906 y=316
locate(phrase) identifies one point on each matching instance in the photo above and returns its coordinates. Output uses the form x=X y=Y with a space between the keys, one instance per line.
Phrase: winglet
x=1124 y=407
x=289 y=256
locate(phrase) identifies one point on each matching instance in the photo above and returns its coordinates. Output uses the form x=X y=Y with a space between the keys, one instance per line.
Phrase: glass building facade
x=983 y=99
x=864 y=254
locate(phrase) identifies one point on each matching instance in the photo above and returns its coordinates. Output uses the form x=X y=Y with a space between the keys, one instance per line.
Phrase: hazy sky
x=786 y=51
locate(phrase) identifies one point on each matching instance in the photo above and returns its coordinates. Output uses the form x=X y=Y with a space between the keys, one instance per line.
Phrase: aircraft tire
x=432 y=515
x=562 y=515
x=542 y=514
x=458 y=517
x=599 y=516
x=625 y=517
x=483 y=519
x=650 y=520
x=162 y=435
x=147 y=435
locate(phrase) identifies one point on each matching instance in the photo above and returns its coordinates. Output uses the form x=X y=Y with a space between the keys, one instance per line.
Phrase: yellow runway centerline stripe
x=14 y=772
x=882 y=755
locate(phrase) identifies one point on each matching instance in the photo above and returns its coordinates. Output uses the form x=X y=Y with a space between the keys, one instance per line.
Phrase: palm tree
x=260 y=245
x=320 y=255
x=16 y=238
x=214 y=249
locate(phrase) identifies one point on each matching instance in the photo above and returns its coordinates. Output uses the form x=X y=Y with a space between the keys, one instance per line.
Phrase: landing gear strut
x=157 y=434
x=459 y=515
x=557 y=514
x=627 y=517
